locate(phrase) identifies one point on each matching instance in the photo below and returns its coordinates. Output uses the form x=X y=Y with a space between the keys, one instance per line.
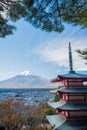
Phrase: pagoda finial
x=70 y=58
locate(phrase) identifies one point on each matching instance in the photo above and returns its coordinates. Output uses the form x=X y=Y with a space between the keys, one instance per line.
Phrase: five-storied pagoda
x=71 y=110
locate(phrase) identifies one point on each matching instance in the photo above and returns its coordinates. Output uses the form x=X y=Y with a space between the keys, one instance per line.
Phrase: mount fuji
x=26 y=79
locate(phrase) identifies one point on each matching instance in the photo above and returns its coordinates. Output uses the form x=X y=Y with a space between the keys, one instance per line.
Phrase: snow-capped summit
x=26 y=73
x=26 y=79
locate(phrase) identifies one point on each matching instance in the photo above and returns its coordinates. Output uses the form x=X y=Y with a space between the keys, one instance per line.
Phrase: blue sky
x=43 y=53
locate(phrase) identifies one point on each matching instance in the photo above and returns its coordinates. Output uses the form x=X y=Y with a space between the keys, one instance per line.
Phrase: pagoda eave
x=75 y=110
x=60 y=79
x=57 y=80
x=53 y=91
x=73 y=75
x=65 y=106
x=56 y=104
x=73 y=107
x=59 y=92
x=60 y=123
x=72 y=91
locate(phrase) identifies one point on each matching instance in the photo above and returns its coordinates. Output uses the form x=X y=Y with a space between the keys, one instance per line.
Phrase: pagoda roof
x=65 y=106
x=55 y=120
x=73 y=74
x=73 y=90
x=56 y=104
x=70 y=90
x=59 y=123
x=53 y=91
x=70 y=75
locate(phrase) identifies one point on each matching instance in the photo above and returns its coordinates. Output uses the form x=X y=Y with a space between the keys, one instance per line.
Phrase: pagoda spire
x=70 y=59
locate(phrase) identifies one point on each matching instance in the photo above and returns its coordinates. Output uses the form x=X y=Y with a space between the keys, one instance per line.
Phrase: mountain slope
x=25 y=81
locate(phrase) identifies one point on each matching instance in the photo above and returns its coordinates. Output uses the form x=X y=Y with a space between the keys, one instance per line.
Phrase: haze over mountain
x=26 y=79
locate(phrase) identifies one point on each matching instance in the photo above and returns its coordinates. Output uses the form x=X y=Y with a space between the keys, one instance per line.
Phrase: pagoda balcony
x=75 y=90
x=73 y=117
x=71 y=87
x=78 y=101
x=74 y=86
x=72 y=114
x=74 y=101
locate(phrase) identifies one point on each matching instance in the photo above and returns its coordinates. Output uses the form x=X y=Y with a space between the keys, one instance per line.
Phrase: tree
x=48 y=15
x=12 y=114
x=49 y=111
x=82 y=53
x=15 y=115
x=10 y=10
x=57 y=98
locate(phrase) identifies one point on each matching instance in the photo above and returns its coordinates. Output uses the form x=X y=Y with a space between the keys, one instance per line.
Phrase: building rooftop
x=73 y=90
x=59 y=123
x=66 y=106
x=70 y=75
x=56 y=104
x=73 y=74
x=53 y=91
x=70 y=90
x=55 y=120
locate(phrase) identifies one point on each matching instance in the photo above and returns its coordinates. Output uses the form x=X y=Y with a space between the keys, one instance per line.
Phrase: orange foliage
x=16 y=114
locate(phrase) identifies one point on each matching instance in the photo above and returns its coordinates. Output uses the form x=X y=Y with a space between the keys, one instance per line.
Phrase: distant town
x=30 y=96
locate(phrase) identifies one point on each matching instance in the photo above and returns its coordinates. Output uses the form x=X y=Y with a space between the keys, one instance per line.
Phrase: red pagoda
x=71 y=110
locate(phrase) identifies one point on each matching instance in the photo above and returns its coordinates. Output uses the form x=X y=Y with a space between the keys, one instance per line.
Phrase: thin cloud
x=56 y=51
